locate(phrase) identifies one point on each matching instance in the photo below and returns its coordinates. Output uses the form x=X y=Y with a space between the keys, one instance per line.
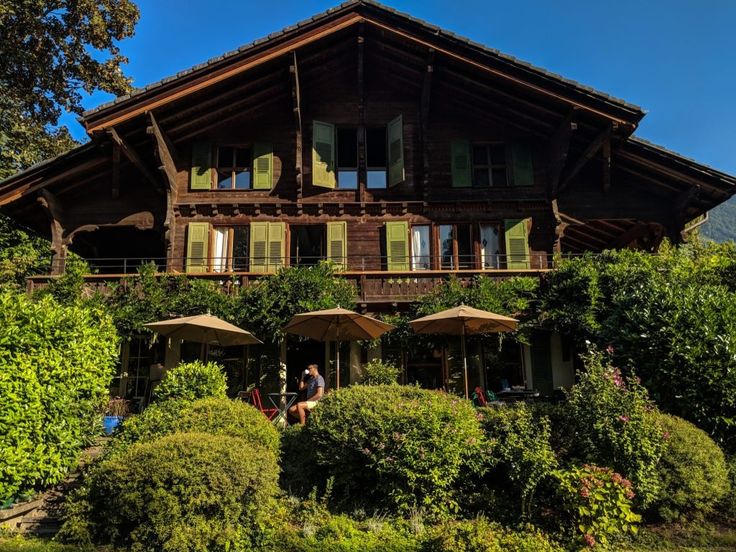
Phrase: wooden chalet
x=398 y=150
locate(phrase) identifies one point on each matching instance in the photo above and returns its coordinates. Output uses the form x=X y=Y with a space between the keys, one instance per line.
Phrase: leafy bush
x=182 y=492
x=693 y=471
x=377 y=372
x=520 y=444
x=597 y=503
x=190 y=381
x=480 y=535
x=56 y=363
x=395 y=446
x=212 y=415
x=729 y=501
x=610 y=422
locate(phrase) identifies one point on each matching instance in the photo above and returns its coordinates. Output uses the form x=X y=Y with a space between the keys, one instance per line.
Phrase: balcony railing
x=374 y=282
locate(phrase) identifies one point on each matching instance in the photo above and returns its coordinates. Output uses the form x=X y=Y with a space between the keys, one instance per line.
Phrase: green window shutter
x=197 y=245
x=521 y=159
x=262 y=166
x=258 y=246
x=397 y=245
x=395 y=134
x=461 y=166
x=276 y=245
x=201 y=175
x=517 y=244
x=337 y=243
x=323 y=155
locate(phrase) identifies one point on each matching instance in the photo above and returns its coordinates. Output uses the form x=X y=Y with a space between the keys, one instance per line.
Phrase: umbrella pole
x=465 y=361
x=337 y=366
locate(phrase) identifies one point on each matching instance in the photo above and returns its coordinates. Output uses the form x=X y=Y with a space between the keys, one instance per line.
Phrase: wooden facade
x=396 y=149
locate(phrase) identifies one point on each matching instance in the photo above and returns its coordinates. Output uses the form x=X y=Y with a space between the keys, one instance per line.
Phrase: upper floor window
x=347 y=158
x=234 y=168
x=376 y=158
x=489 y=165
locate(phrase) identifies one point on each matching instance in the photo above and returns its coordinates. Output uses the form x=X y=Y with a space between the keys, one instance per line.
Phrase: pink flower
x=609 y=349
x=584 y=492
x=630 y=494
x=589 y=540
x=666 y=435
x=617 y=478
x=624 y=419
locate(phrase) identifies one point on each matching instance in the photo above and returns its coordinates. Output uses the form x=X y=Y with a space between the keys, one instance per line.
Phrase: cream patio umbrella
x=336 y=325
x=205 y=329
x=464 y=320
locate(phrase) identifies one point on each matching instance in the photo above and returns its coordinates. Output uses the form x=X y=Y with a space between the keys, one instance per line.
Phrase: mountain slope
x=722 y=224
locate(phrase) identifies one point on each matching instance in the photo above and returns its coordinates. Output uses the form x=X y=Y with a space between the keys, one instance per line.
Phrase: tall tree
x=51 y=52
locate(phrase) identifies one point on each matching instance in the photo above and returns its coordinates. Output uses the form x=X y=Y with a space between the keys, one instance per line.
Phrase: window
x=347 y=158
x=234 y=166
x=229 y=248
x=420 y=252
x=307 y=244
x=489 y=165
x=376 y=158
x=456 y=246
x=489 y=246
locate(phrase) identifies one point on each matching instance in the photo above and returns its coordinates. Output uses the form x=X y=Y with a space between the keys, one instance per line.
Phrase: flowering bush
x=521 y=447
x=693 y=471
x=597 y=503
x=394 y=446
x=190 y=381
x=608 y=417
x=481 y=535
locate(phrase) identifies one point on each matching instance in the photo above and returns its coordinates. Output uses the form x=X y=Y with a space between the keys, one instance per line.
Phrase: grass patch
x=18 y=543
x=694 y=537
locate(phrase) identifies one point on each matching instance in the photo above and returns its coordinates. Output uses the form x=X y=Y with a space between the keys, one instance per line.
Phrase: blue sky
x=674 y=58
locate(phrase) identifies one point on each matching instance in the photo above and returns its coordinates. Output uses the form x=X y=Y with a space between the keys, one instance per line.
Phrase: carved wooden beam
x=115 y=192
x=424 y=104
x=587 y=155
x=635 y=232
x=165 y=152
x=55 y=212
x=133 y=157
x=558 y=150
x=607 y=164
x=560 y=226
x=296 y=96
x=360 y=82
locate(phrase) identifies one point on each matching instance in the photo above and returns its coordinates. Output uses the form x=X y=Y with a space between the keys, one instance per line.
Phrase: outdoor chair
x=254 y=397
x=479 y=397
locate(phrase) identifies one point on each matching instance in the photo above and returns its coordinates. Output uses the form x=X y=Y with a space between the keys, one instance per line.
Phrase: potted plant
x=117 y=409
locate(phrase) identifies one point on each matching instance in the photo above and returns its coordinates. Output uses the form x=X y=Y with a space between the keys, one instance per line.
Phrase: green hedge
x=693 y=471
x=394 y=446
x=56 y=363
x=481 y=535
x=182 y=492
x=215 y=416
x=190 y=381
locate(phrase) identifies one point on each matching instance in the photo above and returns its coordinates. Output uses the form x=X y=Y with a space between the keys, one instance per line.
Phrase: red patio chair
x=479 y=397
x=254 y=397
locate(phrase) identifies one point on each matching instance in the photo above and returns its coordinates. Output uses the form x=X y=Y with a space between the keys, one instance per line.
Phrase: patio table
x=517 y=394
x=276 y=400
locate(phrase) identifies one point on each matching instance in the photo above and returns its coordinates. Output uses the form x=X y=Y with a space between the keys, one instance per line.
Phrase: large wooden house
x=398 y=150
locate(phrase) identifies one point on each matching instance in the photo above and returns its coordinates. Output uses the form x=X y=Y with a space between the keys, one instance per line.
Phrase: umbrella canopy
x=204 y=328
x=463 y=320
x=336 y=325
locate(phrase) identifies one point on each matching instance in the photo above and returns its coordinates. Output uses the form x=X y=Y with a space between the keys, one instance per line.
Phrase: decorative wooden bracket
x=297 y=100
x=593 y=148
x=424 y=103
x=133 y=157
x=55 y=213
x=558 y=150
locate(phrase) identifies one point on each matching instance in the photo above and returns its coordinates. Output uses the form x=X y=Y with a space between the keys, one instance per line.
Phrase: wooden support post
x=360 y=81
x=558 y=150
x=424 y=104
x=587 y=155
x=296 y=96
x=56 y=216
x=133 y=157
x=560 y=227
x=607 y=164
x=115 y=190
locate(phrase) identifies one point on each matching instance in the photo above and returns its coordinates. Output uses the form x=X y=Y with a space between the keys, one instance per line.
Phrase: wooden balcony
x=372 y=286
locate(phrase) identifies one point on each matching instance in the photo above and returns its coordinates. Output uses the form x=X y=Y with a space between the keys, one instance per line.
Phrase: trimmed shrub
x=729 y=501
x=395 y=446
x=212 y=415
x=610 y=424
x=190 y=381
x=693 y=471
x=377 y=372
x=56 y=363
x=182 y=492
x=595 y=503
x=481 y=535
x=521 y=449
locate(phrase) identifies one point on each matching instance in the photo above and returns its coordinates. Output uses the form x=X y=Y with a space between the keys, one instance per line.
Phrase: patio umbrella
x=336 y=325
x=463 y=320
x=204 y=328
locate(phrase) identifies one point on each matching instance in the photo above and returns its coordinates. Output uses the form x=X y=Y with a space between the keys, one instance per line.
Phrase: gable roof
x=345 y=15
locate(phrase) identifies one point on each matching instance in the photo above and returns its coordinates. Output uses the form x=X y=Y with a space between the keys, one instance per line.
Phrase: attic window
x=347 y=158
x=489 y=165
x=376 y=157
x=234 y=167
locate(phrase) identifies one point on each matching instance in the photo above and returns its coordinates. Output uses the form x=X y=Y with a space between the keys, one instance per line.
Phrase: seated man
x=314 y=384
